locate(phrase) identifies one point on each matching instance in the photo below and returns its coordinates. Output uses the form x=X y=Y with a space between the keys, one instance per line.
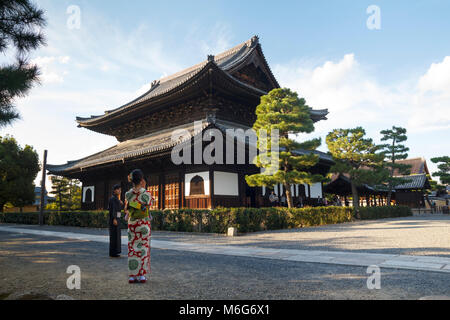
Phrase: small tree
x=20 y=23
x=394 y=151
x=444 y=169
x=67 y=194
x=356 y=156
x=282 y=110
x=18 y=169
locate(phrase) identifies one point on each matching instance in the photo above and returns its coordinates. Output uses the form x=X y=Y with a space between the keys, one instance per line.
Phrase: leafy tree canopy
x=356 y=156
x=393 y=151
x=444 y=169
x=18 y=170
x=67 y=193
x=284 y=111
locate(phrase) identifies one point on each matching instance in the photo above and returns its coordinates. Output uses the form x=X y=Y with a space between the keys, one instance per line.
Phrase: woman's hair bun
x=137 y=176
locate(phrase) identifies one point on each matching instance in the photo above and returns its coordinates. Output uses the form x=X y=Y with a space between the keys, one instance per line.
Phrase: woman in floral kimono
x=137 y=203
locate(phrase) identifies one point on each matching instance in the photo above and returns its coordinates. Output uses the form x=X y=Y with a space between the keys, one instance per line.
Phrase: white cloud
x=437 y=78
x=431 y=102
x=354 y=97
x=50 y=68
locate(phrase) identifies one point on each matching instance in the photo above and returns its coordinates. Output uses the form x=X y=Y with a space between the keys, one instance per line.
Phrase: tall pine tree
x=394 y=151
x=444 y=169
x=20 y=24
x=67 y=194
x=284 y=111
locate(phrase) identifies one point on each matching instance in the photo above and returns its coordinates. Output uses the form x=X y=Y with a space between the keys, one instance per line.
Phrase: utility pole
x=41 y=207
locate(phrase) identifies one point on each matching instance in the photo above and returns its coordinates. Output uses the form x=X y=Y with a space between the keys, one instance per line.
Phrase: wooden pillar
x=162 y=192
x=41 y=207
x=181 y=182
x=211 y=187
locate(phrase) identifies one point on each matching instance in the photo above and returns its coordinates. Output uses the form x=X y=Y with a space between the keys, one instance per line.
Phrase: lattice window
x=197 y=186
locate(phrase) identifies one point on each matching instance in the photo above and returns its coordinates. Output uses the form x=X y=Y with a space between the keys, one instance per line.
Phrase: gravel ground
x=420 y=235
x=35 y=266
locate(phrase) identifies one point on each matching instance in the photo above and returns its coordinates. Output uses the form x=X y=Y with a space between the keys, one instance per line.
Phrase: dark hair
x=116 y=187
x=137 y=176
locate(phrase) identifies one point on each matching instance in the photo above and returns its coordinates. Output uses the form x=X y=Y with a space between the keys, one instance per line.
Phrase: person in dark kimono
x=114 y=207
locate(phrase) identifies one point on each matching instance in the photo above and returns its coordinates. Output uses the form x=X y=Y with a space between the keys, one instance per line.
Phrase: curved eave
x=244 y=60
x=93 y=122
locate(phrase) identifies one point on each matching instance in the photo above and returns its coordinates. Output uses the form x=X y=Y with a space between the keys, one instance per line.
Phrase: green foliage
x=67 y=193
x=18 y=169
x=209 y=221
x=444 y=169
x=284 y=111
x=357 y=157
x=218 y=220
x=20 y=23
x=372 y=213
x=394 y=151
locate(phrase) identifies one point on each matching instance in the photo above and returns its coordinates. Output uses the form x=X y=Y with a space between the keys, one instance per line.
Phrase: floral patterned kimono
x=139 y=232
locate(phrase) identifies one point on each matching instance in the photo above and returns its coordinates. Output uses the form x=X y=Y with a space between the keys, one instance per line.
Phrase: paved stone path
x=395 y=261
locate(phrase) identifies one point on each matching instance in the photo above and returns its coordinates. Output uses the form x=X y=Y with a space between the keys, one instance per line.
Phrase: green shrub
x=368 y=213
x=219 y=219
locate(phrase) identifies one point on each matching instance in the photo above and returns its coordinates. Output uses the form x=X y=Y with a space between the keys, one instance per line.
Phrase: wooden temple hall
x=221 y=93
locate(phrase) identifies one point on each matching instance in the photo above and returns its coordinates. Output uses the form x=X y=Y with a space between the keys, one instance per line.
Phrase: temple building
x=220 y=93
x=412 y=193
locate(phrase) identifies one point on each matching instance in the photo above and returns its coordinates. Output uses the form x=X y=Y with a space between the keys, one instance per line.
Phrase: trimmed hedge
x=218 y=220
x=92 y=219
x=210 y=221
x=368 y=213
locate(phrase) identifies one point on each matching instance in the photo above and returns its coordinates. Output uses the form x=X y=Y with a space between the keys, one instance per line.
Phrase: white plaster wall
x=306 y=190
x=187 y=182
x=92 y=188
x=316 y=190
x=226 y=183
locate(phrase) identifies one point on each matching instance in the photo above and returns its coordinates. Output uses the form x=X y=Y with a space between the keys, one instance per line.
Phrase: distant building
x=412 y=193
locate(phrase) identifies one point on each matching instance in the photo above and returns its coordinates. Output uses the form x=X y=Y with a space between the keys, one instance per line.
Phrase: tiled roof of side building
x=417 y=181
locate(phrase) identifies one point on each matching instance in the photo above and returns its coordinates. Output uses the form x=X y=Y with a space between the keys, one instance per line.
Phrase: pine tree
x=284 y=111
x=60 y=189
x=444 y=169
x=356 y=156
x=67 y=193
x=20 y=23
x=394 y=151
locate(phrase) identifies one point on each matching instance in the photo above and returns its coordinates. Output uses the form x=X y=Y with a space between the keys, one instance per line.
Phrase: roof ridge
x=254 y=40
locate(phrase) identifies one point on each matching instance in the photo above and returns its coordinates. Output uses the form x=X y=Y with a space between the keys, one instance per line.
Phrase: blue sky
x=398 y=75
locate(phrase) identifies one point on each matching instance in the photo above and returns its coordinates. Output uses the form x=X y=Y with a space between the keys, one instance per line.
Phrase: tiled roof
x=418 y=166
x=144 y=145
x=226 y=61
x=418 y=181
x=152 y=143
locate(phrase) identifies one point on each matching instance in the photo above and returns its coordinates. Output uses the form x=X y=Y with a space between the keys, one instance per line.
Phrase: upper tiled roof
x=226 y=61
x=418 y=166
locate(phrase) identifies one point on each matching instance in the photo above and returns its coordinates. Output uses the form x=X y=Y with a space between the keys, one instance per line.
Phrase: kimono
x=115 y=245
x=139 y=232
